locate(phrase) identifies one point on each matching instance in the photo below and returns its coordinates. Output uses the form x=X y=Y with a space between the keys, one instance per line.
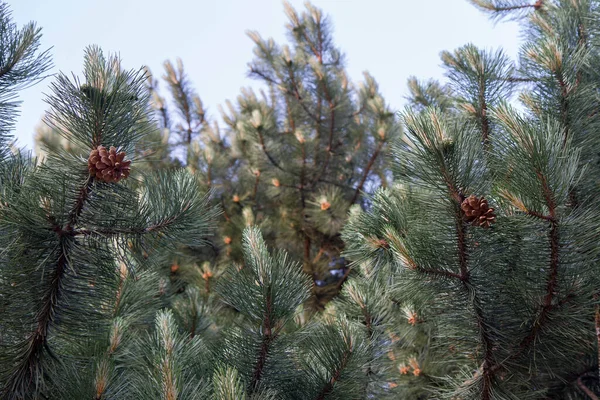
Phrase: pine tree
x=293 y=159
x=80 y=237
x=313 y=144
x=488 y=238
x=87 y=309
x=473 y=269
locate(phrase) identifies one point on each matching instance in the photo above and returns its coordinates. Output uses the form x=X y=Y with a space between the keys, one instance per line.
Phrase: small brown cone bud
x=538 y=4
x=378 y=243
x=383 y=244
x=415 y=366
x=236 y=198
x=477 y=211
x=413 y=318
x=275 y=182
x=227 y=240
x=174 y=268
x=108 y=165
x=325 y=205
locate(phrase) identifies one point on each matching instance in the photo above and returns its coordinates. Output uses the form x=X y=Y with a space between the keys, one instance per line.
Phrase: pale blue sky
x=392 y=39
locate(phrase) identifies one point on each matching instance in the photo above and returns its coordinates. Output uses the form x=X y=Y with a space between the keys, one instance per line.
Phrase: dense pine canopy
x=311 y=243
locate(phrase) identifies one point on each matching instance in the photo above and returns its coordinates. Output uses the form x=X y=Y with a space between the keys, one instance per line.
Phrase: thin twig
x=586 y=390
x=366 y=173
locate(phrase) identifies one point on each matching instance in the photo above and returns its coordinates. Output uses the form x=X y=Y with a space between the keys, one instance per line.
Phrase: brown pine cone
x=478 y=212
x=108 y=165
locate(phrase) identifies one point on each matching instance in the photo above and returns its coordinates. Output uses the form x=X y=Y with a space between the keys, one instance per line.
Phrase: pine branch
x=329 y=149
x=540 y=215
x=512 y=8
x=552 y=282
x=392 y=239
x=227 y=385
x=294 y=94
x=461 y=229
x=261 y=141
x=368 y=321
x=440 y=273
x=564 y=105
x=21 y=63
x=169 y=364
x=485 y=122
x=255 y=189
x=500 y=7
x=195 y=315
x=30 y=364
x=303 y=203
x=307 y=251
x=367 y=171
x=104 y=369
x=488 y=367
x=183 y=94
x=586 y=390
x=488 y=358
x=319 y=54
x=328 y=388
x=105 y=231
x=268 y=337
x=267 y=292
x=318 y=123
x=519 y=79
x=343 y=278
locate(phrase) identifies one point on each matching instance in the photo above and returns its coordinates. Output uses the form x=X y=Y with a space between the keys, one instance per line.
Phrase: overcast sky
x=392 y=39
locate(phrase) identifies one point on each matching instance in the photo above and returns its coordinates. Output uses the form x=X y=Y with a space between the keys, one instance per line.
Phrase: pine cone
x=108 y=165
x=478 y=212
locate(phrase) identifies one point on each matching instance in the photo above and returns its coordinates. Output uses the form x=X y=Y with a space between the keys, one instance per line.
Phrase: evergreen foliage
x=508 y=312
x=23 y=64
x=293 y=159
x=473 y=271
x=71 y=243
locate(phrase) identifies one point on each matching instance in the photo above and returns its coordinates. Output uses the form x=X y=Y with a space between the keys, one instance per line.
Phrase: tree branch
x=438 y=272
x=552 y=282
x=539 y=215
x=366 y=173
x=24 y=375
x=336 y=376
x=535 y=5
x=485 y=122
x=295 y=94
x=268 y=338
x=488 y=365
x=586 y=390
x=261 y=141
x=564 y=105
x=126 y=231
x=330 y=142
